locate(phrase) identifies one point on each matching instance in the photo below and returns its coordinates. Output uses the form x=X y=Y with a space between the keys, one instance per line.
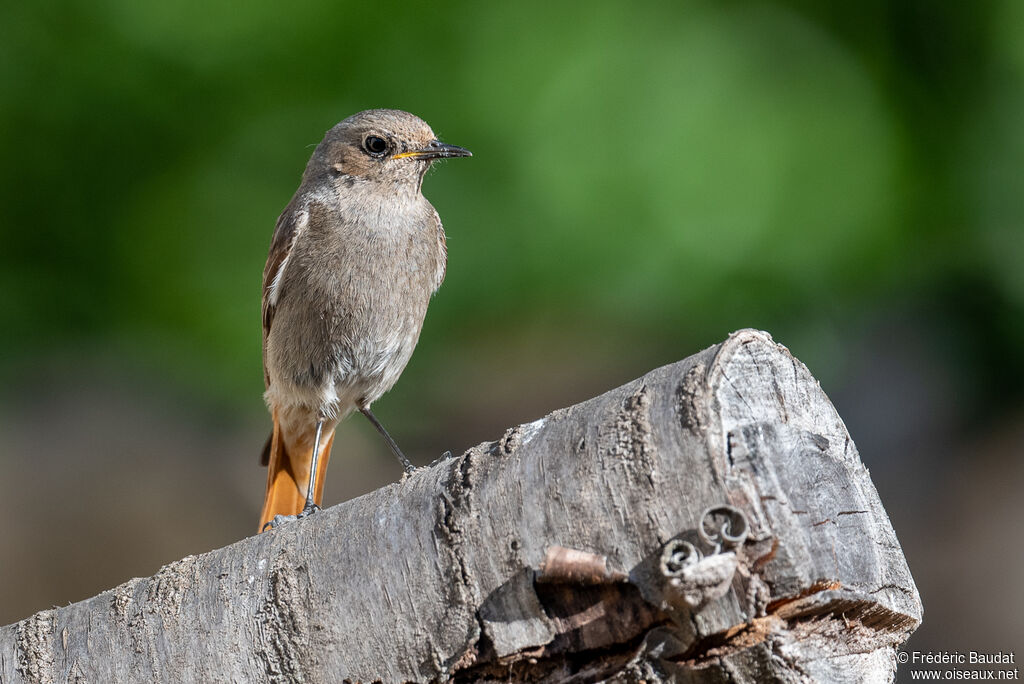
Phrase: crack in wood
x=281 y=623
x=35 y=656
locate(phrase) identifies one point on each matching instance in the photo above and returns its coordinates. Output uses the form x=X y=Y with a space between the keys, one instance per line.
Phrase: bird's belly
x=335 y=359
x=367 y=367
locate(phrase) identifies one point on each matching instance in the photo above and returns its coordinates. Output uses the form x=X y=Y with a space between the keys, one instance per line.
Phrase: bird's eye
x=375 y=145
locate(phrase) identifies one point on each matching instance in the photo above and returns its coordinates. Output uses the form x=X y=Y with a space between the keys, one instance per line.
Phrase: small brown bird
x=355 y=258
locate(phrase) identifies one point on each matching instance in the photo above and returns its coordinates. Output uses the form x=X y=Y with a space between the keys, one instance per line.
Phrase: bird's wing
x=290 y=224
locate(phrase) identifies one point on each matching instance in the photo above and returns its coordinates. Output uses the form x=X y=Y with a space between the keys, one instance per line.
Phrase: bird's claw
x=278 y=520
x=308 y=510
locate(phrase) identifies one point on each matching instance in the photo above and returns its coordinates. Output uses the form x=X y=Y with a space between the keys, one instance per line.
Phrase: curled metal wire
x=678 y=555
x=723 y=526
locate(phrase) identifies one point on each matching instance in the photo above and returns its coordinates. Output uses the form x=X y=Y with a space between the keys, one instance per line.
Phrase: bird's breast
x=354 y=297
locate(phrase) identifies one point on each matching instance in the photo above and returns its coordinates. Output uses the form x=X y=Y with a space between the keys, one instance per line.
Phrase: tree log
x=710 y=521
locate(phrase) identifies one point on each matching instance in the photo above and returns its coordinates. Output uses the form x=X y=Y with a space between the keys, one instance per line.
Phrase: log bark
x=710 y=521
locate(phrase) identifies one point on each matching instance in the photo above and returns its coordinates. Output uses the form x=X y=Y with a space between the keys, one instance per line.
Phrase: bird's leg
x=311 y=506
x=406 y=465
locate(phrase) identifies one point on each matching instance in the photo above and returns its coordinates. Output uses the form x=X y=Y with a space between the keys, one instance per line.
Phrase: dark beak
x=436 y=150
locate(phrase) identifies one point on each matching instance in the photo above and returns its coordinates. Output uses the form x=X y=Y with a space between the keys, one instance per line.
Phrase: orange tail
x=288 y=475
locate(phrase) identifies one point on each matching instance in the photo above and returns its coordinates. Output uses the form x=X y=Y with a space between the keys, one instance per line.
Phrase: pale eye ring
x=375 y=145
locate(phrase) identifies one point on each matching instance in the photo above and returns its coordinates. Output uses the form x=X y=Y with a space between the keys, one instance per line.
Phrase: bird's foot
x=278 y=520
x=308 y=509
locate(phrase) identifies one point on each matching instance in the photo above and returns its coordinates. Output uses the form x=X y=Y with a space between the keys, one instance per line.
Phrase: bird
x=354 y=259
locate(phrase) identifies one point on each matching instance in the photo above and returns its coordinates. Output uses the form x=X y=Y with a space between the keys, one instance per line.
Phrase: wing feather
x=442 y=244
x=290 y=224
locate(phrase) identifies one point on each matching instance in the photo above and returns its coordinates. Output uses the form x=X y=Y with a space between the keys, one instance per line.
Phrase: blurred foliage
x=648 y=174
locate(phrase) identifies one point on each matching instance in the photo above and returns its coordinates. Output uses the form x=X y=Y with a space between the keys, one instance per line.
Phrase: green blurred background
x=647 y=178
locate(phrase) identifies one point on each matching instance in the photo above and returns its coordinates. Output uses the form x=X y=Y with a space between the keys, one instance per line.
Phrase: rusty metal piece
x=572 y=566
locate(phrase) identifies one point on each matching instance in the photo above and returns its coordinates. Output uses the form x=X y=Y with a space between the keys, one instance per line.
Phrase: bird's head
x=385 y=146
